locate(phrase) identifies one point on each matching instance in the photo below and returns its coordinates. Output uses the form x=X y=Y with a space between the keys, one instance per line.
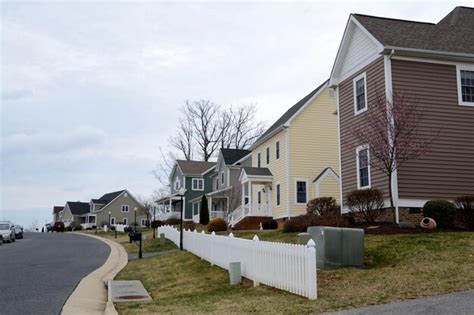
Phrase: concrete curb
x=91 y=296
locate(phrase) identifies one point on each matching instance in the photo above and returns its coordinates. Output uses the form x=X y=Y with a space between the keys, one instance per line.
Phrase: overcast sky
x=90 y=90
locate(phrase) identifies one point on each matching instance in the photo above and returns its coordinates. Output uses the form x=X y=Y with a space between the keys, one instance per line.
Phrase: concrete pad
x=128 y=291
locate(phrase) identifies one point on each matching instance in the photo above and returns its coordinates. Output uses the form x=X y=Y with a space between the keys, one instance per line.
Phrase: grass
x=397 y=267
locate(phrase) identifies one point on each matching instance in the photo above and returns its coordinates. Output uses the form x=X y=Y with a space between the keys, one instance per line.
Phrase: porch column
x=210 y=207
x=250 y=197
x=171 y=203
x=243 y=195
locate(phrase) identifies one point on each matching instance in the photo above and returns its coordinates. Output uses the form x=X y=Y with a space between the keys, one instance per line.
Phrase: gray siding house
x=195 y=178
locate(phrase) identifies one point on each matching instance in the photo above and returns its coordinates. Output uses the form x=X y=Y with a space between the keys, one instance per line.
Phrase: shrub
x=112 y=227
x=78 y=228
x=94 y=227
x=128 y=229
x=367 y=202
x=217 y=225
x=323 y=206
x=68 y=228
x=302 y=222
x=270 y=225
x=442 y=211
x=465 y=209
x=204 y=213
x=189 y=225
x=173 y=221
x=157 y=223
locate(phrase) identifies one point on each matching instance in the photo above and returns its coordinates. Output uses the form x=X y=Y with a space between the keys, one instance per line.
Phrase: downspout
x=288 y=181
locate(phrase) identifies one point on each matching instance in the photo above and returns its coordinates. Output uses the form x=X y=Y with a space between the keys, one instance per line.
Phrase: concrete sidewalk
x=454 y=303
x=91 y=296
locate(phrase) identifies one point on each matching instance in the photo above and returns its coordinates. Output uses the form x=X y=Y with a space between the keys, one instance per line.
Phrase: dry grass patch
x=398 y=267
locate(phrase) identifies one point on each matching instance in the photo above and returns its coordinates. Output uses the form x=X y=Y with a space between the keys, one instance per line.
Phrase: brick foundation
x=251 y=223
x=406 y=214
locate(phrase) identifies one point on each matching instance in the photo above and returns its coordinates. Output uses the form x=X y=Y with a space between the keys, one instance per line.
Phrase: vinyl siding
x=328 y=187
x=115 y=207
x=278 y=169
x=375 y=86
x=447 y=170
x=313 y=147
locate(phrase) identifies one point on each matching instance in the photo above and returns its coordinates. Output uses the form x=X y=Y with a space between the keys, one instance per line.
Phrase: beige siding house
x=294 y=161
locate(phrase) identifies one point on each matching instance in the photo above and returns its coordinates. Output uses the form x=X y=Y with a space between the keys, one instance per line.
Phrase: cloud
x=16 y=94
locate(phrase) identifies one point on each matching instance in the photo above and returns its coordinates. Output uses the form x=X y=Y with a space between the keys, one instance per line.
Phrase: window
x=277 y=150
x=259 y=159
x=278 y=194
x=360 y=94
x=125 y=221
x=125 y=208
x=300 y=191
x=143 y=222
x=217 y=183
x=259 y=197
x=198 y=184
x=363 y=167
x=268 y=155
x=222 y=179
x=112 y=221
x=177 y=184
x=465 y=78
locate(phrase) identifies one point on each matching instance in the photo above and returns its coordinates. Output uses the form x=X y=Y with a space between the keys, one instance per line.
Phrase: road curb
x=91 y=296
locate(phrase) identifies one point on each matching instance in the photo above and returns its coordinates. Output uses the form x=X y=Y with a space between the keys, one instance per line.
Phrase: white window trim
x=197 y=180
x=177 y=184
x=125 y=221
x=296 y=191
x=128 y=208
x=277 y=156
x=277 y=205
x=358 y=149
x=354 y=81
x=460 y=67
x=141 y=222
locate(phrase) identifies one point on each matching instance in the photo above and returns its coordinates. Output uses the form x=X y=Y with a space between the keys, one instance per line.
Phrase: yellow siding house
x=294 y=161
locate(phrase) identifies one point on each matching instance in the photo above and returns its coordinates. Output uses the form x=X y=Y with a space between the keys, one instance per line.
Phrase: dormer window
x=465 y=78
x=360 y=93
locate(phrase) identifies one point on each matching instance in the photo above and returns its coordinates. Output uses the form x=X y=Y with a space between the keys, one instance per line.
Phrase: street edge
x=91 y=296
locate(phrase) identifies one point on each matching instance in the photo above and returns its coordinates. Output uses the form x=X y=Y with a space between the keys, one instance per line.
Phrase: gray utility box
x=338 y=247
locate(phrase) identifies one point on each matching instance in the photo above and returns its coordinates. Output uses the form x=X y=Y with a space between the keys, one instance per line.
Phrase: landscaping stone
x=128 y=291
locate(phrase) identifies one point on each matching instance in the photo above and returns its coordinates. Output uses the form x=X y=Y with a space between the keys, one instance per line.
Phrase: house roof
x=324 y=171
x=105 y=199
x=452 y=34
x=257 y=171
x=57 y=209
x=78 y=207
x=233 y=155
x=289 y=113
x=194 y=167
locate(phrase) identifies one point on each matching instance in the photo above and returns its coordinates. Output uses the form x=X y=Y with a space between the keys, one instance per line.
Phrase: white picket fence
x=288 y=267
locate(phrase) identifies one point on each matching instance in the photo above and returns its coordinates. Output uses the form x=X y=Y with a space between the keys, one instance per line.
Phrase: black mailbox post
x=136 y=237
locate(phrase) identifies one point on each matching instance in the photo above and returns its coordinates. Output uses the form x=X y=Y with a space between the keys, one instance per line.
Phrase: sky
x=91 y=90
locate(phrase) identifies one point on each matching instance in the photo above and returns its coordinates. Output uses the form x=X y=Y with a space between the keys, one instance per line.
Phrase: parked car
x=58 y=227
x=49 y=227
x=18 y=232
x=7 y=230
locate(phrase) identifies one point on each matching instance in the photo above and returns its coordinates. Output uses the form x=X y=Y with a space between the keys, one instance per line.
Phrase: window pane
x=278 y=194
x=301 y=192
x=467 y=85
x=364 y=168
x=360 y=94
x=277 y=150
x=268 y=155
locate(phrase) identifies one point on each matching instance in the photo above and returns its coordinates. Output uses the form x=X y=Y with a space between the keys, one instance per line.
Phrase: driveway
x=39 y=273
x=455 y=303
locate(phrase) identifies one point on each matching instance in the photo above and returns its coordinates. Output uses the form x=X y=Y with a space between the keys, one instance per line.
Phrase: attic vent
x=126 y=195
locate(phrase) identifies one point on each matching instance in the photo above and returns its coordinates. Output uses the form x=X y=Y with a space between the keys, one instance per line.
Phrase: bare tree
x=391 y=129
x=203 y=116
x=184 y=139
x=164 y=167
x=245 y=129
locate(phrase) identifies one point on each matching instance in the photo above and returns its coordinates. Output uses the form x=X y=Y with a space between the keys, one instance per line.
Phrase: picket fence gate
x=288 y=267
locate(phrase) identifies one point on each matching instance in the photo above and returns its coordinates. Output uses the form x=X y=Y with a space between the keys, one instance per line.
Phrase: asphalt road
x=39 y=273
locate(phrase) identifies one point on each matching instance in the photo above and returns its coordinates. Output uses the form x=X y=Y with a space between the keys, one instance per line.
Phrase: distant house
x=195 y=178
x=431 y=64
x=294 y=161
x=56 y=210
x=119 y=207
x=226 y=188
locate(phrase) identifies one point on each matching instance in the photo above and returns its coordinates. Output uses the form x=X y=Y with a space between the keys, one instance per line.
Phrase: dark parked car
x=58 y=227
x=18 y=232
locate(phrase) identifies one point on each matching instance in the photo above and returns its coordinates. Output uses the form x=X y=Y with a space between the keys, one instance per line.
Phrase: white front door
x=268 y=200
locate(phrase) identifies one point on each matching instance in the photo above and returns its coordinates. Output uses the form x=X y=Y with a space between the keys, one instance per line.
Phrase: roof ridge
x=393 y=19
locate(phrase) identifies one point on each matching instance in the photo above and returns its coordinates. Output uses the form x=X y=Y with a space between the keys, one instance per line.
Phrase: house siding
x=447 y=170
x=313 y=147
x=192 y=194
x=348 y=121
x=115 y=207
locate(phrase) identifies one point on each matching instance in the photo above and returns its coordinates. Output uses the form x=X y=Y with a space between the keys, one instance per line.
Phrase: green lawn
x=397 y=267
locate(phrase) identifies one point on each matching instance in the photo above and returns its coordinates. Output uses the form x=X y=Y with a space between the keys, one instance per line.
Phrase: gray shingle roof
x=194 y=167
x=257 y=171
x=233 y=155
x=78 y=207
x=454 y=33
x=105 y=199
x=57 y=209
x=290 y=112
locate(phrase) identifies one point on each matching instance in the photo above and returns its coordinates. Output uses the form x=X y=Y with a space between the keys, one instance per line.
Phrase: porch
x=170 y=208
x=89 y=220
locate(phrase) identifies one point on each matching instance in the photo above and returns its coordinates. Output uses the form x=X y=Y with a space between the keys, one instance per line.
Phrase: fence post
x=311 y=270
x=213 y=234
x=255 y=262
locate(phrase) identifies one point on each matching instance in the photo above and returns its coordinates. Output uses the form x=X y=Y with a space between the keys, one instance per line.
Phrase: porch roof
x=168 y=198
x=256 y=174
x=215 y=194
